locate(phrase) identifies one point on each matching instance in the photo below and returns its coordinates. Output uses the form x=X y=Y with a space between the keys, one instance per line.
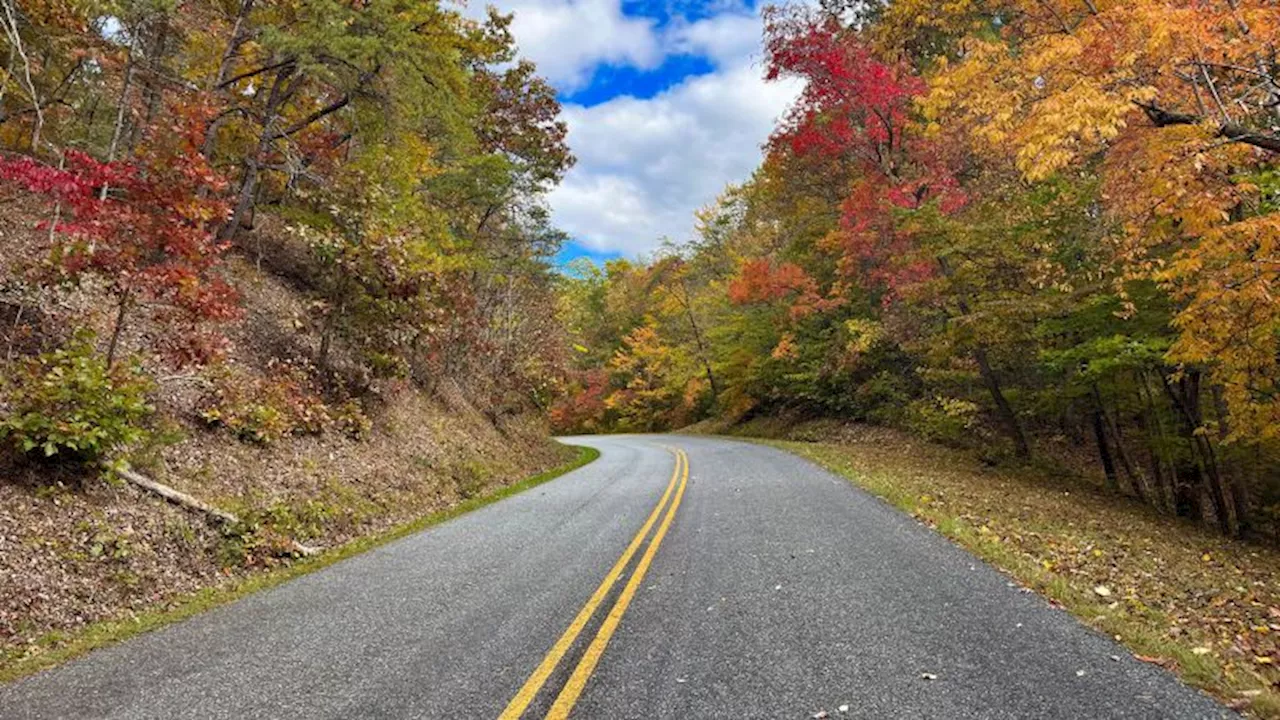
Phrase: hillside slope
x=76 y=548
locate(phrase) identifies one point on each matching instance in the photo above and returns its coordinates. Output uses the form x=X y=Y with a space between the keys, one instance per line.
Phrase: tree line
x=399 y=149
x=1026 y=226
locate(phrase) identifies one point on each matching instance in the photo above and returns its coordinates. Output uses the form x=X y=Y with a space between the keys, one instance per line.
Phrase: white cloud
x=644 y=166
x=728 y=38
x=569 y=38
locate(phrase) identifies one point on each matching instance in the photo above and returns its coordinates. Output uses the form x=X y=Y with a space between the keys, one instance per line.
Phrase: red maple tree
x=143 y=227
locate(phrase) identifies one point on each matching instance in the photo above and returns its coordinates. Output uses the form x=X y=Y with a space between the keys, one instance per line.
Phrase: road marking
x=587 y=665
x=539 y=677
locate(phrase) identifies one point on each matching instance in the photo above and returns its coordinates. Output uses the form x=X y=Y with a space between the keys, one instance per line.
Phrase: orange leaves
x=1230 y=282
x=1063 y=80
x=1178 y=198
x=760 y=280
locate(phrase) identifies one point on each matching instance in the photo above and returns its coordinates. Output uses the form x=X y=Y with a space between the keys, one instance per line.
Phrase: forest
x=1033 y=228
x=392 y=156
x=1043 y=230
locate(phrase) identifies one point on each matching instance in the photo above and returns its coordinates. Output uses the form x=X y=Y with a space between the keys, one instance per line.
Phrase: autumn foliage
x=1026 y=227
x=399 y=153
x=146 y=232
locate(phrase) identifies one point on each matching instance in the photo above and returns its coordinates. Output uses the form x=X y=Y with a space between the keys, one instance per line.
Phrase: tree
x=148 y=239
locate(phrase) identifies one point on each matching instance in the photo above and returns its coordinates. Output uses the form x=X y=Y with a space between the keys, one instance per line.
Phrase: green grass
x=57 y=648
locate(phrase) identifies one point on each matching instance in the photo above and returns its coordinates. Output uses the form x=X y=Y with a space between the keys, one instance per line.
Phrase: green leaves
x=68 y=405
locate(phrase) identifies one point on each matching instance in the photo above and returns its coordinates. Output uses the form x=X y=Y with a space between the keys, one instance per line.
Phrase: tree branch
x=1229 y=130
x=252 y=73
x=302 y=124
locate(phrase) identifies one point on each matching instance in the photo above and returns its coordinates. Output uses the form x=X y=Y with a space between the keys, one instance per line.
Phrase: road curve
x=757 y=586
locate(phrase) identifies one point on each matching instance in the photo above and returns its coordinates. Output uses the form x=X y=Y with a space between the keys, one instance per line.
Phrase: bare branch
x=1228 y=130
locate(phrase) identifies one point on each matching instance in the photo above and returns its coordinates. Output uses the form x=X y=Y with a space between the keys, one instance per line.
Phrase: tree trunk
x=1113 y=427
x=117 y=130
x=122 y=308
x=253 y=163
x=1155 y=427
x=1232 y=471
x=1104 y=452
x=703 y=355
x=1007 y=416
x=1186 y=400
x=238 y=36
x=152 y=86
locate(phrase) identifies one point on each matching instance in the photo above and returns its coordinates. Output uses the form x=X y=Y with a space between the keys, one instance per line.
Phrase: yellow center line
x=587 y=665
x=539 y=677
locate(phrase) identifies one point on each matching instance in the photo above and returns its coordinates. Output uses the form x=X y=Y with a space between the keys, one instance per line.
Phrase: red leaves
x=583 y=409
x=852 y=103
x=149 y=236
x=856 y=107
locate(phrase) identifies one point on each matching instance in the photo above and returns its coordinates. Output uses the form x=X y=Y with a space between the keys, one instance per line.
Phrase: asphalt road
x=775 y=590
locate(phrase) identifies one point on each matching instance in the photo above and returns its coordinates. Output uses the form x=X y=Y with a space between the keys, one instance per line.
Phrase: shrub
x=350 y=416
x=942 y=419
x=68 y=405
x=265 y=410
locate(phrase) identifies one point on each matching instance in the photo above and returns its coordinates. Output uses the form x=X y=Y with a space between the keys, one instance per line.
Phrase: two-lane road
x=675 y=577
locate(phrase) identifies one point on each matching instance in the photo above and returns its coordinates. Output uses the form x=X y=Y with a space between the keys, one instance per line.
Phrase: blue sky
x=665 y=105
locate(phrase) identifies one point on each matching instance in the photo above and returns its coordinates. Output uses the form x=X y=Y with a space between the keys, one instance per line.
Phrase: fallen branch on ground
x=189 y=502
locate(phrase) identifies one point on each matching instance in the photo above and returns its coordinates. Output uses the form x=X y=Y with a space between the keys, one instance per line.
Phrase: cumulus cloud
x=645 y=165
x=568 y=39
x=728 y=39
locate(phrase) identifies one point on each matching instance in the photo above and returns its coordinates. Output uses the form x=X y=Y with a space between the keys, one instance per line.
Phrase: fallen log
x=177 y=497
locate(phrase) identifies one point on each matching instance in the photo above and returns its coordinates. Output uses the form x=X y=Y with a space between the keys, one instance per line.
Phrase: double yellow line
x=574 y=686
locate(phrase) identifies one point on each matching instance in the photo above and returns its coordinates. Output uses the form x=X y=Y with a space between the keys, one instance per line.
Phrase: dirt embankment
x=76 y=549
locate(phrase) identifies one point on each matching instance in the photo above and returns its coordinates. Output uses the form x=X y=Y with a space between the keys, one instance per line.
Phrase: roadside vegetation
x=1028 y=249
x=59 y=646
x=290 y=259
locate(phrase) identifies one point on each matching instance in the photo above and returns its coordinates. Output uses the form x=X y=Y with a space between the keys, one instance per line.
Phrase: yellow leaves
x=786 y=348
x=863 y=335
x=1230 y=280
